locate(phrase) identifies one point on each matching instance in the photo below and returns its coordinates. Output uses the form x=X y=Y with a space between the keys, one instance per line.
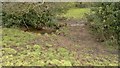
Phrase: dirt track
x=85 y=44
x=78 y=39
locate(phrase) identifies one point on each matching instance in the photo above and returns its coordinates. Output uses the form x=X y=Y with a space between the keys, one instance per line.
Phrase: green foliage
x=105 y=21
x=32 y=15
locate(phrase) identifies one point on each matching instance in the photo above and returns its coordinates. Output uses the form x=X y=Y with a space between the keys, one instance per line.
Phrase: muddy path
x=85 y=45
x=78 y=39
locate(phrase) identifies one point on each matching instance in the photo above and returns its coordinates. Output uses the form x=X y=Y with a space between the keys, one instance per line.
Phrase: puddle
x=41 y=31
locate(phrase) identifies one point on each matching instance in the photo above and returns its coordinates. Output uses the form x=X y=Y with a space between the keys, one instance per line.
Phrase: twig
x=26 y=25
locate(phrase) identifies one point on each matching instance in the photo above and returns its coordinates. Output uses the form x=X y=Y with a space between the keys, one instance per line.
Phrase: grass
x=15 y=37
x=17 y=51
x=76 y=13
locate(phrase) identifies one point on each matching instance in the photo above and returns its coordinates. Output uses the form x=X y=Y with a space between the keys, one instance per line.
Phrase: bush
x=105 y=21
x=32 y=15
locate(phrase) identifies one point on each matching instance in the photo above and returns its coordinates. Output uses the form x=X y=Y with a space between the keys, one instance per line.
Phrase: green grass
x=18 y=48
x=76 y=13
x=15 y=37
x=17 y=51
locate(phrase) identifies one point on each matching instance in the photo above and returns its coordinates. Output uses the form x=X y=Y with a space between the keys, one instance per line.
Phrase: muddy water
x=41 y=31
